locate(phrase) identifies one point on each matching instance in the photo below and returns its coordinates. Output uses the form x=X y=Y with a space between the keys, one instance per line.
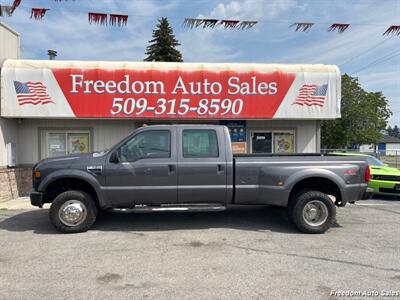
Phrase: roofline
x=185 y=66
x=9 y=28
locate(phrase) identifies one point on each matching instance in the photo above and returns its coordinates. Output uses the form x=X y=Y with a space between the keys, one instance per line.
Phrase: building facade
x=14 y=182
x=54 y=108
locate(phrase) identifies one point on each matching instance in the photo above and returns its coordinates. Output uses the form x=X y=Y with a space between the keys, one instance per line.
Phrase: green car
x=384 y=180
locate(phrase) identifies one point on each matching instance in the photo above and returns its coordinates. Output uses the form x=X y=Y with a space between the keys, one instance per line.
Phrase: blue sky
x=360 y=51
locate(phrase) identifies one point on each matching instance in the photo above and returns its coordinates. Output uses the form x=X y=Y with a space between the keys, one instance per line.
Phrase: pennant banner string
x=18 y=3
x=122 y=19
x=212 y=23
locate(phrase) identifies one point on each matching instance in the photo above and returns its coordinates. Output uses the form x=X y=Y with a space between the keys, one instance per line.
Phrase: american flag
x=31 y=93
x=312 y=94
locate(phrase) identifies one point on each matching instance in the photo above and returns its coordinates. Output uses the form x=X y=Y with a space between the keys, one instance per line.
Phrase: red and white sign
x=143 y=90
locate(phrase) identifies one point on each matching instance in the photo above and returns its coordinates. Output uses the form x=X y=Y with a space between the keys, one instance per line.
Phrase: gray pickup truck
x=192 y=168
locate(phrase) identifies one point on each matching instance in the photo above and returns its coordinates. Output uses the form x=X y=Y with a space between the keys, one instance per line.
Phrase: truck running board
x=170 y=208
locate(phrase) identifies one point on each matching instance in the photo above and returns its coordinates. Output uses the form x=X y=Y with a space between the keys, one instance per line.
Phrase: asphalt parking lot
x=246 y=252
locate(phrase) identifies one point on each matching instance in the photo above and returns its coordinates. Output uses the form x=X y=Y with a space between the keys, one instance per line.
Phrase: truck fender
x=78 y=174
x=314 y=172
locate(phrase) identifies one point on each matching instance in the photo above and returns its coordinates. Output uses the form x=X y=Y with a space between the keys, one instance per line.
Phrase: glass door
x=261 y=142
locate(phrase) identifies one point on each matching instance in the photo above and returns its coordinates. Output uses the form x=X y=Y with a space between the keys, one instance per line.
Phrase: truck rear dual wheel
x=73 y=211
x=312 y=212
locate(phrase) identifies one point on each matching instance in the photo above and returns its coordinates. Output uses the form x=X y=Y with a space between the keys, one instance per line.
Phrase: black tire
x=89 y=209
x=325 y=209
x=290 y=207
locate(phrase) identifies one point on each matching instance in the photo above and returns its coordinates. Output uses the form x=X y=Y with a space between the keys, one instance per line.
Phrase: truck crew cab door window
x=151 y=144
x=201 y=167
x=145 y=171
x=200 y=143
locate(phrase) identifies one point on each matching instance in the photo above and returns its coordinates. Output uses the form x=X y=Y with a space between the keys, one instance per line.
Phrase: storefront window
x=272 y=142
x=78 y=142
x=283 y=142
x=56 y=145
x=59 y=143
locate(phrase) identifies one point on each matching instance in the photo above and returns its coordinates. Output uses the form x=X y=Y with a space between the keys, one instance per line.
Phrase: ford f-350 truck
x=191 y=167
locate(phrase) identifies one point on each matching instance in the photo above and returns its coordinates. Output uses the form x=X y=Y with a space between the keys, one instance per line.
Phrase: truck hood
x=384 y=171
x=69 y=160
x=65 y=158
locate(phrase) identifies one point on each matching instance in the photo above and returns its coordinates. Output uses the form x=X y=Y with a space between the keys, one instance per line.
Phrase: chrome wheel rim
x=315 y=213
x=72 y=213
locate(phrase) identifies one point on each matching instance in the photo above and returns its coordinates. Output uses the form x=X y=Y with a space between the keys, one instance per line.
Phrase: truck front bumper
x=36 y=199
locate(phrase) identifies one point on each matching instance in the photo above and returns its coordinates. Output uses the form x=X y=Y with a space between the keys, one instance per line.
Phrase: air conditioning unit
x=11 y=149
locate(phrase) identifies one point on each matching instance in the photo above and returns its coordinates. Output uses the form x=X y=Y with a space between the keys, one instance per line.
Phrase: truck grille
x=389 y=191
x=387 y=177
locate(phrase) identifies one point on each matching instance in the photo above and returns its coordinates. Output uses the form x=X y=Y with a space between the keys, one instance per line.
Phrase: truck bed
x=270 y=178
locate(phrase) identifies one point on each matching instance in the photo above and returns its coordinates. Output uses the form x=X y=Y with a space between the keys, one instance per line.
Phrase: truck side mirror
x=114 y=158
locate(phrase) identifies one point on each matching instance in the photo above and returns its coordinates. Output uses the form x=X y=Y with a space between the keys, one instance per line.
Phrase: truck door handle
x=220 y=169
x=171 y=169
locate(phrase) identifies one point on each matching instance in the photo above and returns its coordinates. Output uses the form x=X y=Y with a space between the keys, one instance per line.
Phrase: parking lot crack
x=340 y=261
x=381 y=209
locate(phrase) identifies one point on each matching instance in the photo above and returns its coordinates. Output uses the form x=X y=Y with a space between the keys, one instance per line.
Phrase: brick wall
x=14 y=183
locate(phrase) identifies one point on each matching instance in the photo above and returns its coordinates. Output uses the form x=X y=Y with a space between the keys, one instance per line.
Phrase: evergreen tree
x=163 y=45
x=396 y=131
x=390 y=131
x=393 y=131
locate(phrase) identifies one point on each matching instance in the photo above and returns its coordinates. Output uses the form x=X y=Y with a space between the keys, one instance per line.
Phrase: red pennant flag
x=229 y=23
x=303 y=27
x=38 y=13
x=247 y=24
x=394 y=30
x=119 y=20
x=190 y=23
x=339 y=27
x=97 y=18
x=16 y=3
x=209 y=23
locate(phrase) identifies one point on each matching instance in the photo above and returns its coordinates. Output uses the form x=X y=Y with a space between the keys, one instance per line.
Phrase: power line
x=379 y=60
x=365 y=52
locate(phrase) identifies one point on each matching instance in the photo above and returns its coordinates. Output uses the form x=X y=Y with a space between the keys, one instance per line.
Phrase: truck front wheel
x=312 y=212
x=73 y=211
